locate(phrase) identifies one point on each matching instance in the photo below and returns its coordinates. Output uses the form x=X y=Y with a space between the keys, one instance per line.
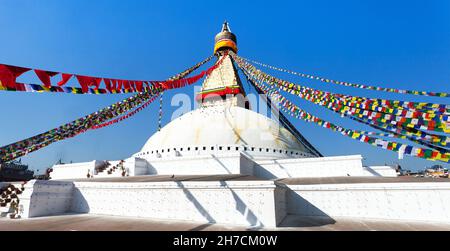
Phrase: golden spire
x=225 y=39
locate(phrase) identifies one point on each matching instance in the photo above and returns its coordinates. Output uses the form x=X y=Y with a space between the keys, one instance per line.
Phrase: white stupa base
x=230 y=163
x=427 y=201
x=256 y=203
x=250 y=203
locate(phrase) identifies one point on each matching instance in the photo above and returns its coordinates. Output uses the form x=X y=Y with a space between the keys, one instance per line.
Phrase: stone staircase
x=9 y=200
x=109 y=170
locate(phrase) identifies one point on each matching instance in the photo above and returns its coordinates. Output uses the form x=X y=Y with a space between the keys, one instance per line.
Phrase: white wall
x=232 y=163
x=203 y=164
x=428 y=201
x=43 y=198
x=136 y=166
x=350 y=165
x=383 y=171
x=249 y=203
x=225 y=163
x=74 y=170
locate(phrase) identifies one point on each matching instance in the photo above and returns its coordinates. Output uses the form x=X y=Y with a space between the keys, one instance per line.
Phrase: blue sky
x=401 y=44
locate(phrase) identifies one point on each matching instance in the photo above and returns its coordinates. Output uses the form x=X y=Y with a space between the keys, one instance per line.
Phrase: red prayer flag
x=20 y=87
x=434 y=154
x=86 y=81
x=65 y=79
x=132 y=86
x=97 y=83
x=119 y=84
x=126 y=84
x=108 y=84
x=114 y=84
x=9 y=73
x=139 y=86
x=44 y=76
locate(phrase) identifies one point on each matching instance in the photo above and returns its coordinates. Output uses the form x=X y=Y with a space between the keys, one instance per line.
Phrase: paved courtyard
x=89 y=222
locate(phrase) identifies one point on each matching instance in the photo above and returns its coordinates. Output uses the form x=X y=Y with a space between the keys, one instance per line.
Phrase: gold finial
x=225 y=39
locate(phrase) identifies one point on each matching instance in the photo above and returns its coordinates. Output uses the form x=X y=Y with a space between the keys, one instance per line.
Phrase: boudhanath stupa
x=224 y=136
x=224 y=162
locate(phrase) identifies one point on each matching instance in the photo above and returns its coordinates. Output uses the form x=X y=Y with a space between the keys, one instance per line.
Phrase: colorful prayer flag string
x=126 y=116
x=34 y=143
x=383 y=104
x=89 y=85
x=160 y=111
x=391 y=132
x=343 y=83
x=412 y=120
x=357 y=135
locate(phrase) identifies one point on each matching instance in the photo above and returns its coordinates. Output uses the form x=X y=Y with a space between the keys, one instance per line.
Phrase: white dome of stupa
x=224 y=128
